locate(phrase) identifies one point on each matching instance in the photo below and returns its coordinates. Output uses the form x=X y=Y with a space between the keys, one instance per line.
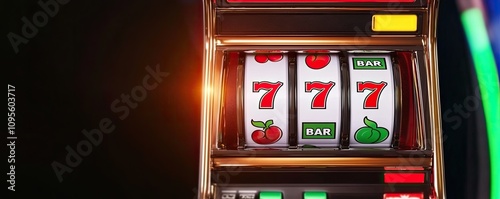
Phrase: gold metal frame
x=434 y=100
x=320 y=162
x=212 y=63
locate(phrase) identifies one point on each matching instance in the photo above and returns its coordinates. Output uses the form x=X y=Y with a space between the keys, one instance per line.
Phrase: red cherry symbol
x=275 y=57
x=263 y=58
x=317 y=61
x=259 y=137
x=274 y=133
x=269 y=135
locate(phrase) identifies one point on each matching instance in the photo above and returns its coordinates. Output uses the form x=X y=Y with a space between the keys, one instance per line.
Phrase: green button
x=270 y=195
x=314 y=195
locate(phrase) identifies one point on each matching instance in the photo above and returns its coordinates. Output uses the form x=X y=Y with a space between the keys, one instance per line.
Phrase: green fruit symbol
x=371 y=133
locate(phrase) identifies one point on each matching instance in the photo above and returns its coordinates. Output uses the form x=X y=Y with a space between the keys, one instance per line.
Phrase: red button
x=404 y=177
x=404 y=196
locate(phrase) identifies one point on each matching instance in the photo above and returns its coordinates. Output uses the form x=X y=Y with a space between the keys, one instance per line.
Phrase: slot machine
x=320 y=99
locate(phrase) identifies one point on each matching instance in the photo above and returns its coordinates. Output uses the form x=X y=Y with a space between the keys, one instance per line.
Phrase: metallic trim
x=321 y=41
x=222 y=123
x=206 y=110
x=319 y=162
x=217 y=97
x=293 y=140
x=319 y=9
x=216 y=191
x=414 y=4
x=434 y=101
x=421 y=133
x=345 y=91
x=396 y=77
x=240 y=100
x=323 y=47
x=330 y=152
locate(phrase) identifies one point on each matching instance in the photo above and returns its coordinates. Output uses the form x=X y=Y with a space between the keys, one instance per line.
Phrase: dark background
x=92 y=51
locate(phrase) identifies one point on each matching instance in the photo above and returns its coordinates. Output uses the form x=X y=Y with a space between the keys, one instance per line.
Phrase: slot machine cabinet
x=320 y=99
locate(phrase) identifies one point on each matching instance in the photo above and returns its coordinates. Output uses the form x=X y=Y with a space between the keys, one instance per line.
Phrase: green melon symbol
x=371 y=133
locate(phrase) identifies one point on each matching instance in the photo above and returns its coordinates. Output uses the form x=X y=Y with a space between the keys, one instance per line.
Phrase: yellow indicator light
x=394 y=23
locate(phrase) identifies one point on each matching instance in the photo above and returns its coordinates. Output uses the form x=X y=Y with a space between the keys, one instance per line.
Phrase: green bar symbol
x=270 y=195
x=318 y=130
x=369 y=63
x=315 y=195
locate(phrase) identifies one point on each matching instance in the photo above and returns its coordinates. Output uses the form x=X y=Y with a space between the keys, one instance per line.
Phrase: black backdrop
x=87 y=54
